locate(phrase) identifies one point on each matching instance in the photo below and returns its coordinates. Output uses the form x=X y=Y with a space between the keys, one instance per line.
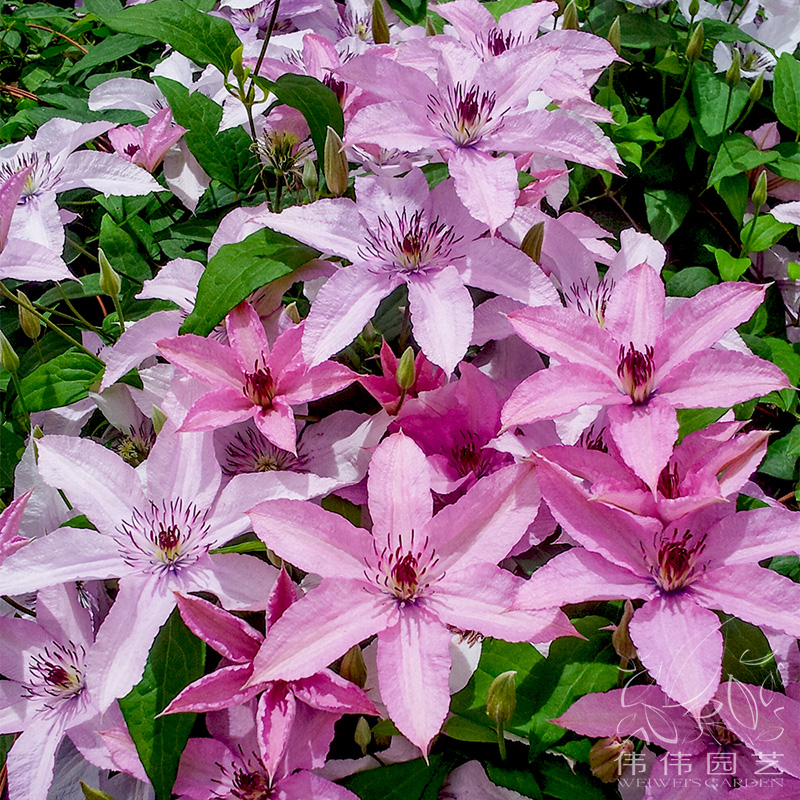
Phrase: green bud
x=502 y=698
x=310 y=178
x=606 y=758
x=405 y=375
x=336 y=171
x=159 y=419
x=615 y=35
x=94 y=794
x=532 y=243
x=694 y=8
x=695 y=47
x=238 y=67
x=734 y=73
x=110 y=283
x=353 y=668
x=757 y=89
x=37 y=432
x=31 y=324
x=8 y=358
x=429 y=29
x=570 y=20
x=292 y=312
x=380 y=27
x=363 y=734
x=760 y=192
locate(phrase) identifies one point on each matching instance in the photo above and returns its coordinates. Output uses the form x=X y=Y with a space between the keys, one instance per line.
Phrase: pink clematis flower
x=155 y=538
x=249 y=380
x=147 y=146
x=702 y=561
x=641 y=364
x=10 y=518
x=308 y=707
x=410 y=581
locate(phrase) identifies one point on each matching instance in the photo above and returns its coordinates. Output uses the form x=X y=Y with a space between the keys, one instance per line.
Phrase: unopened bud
x=501 y=699
x=429 y=28
x=760 y=192
x=695 y=47
x=353 y=668
x=31 y=324
x=380 y=27
x=621 y=638
x=533 y=241
x=694 y=8
x=363 y=734
x=159 y=419
x=94 y=794
x=9 y=360
x=734 y=73
x=336 y=172
x=110 y=283
x=570 y=20
x=293 y=312
x=757 y=89
x=406 y=375
x=238 y=67
x=607 y=758
x=37 y=432
x=615 y=35
x=310 y=179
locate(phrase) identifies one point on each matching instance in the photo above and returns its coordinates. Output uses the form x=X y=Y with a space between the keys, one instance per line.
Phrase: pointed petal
x=247 y=336
x=311 y=538
x=486 y=185
x=29 y=261
x=219 y=690
x=681 y=645
x=31 y=760
x=441 y=312
x=205 y=359
x=305 y=785
x=327 y=691
x=241 y=582
x=635 y=311
x=751 y=536
x=217 y=409
x=392 y=125
x=277 y=424
x=413 y=669
x=274 y=720
x=283 y=594
x=320 y=628
x=106 y=173
x=304 y=385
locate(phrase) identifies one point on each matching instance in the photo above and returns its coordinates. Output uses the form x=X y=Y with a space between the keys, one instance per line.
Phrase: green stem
x=118 y=309
x=501 y=741
x=81 y=249
x=746 y=242
x=79 y=317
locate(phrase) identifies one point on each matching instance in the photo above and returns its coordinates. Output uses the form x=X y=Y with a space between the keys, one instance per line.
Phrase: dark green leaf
x=122 y=251
x=666 y=210
x=102 y=8
x=689 y=281
x=710 y=94
x=782 y=455
x=695 y=419
x=411 y=780
x=786 y=91
x=562 y=783
x=730 y=268
x=176 y=659
x=638 y=130
x=735 y=191
x=88 y=286
x=721 y=31
x=788 y=566
x=237 y=270
x=11 y=447
x=674 y=121
x=517 y=781
x=737 y=154
x=747 y=655
x=110 y=49
x=61 y=381
x=761 y=233
x=6 y=740
x=412 y=12
x=202 y=38
x=787 y=165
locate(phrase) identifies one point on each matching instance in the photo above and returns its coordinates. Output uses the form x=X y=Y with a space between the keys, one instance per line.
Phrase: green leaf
x=721 y=31
x=788 y=566
x=176 y=659
x=786 y=91
x=11 y=447
x=410 y=780
x=412 y=12
x=316 y=102
x=110 y=49
x=638 y=130
x=710 y=94
x=200 y=37
x=102 y=8
x=643 y=32
x=689 y=281
x=787 y=165
x=61 y=381
x=88 y=286
x=674 y=121
x=666 y=210
x=631 y=152
x=782 y=455
x=747 y=655
x=237 y=270
x=94 y=794
x=763 y=232
x=793 y=271
x=735 y=191
x=224 y=155
x=516 y=780
x=730 y=268
x=563 y=783
x=122 y=251
x=737 y=154
x=695 y=419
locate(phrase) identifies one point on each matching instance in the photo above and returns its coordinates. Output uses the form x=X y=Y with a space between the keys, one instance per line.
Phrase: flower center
x=164 y=538
x=410 y=243
x=589 y=440
x=715 y=728
x=464 y=114
x=250 y=785
x=56 y=672
x=636 y=371
x=405 y=572
x=250 y=451
x=498 y=42
x=470 y=458
x=136 y=446
x=41 y=178
x=259 y=387
x=668 y=482
x=677 y=560
x=336 y=86
x=590 y=300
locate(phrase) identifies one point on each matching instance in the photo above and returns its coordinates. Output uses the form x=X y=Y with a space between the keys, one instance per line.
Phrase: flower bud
x=310 y=179
x=734 y=73
x=405 y=375
x=615 y=35
x=31 y=324
x=353 y=668
x=9 y=360
x=532 y=243
x=336 y=171
x=429 y=29
x=607 y=758
x=380 y=27
x=110 y=283
x=293 y=313
x=37 y=432
x=159 y=419
x=695 y=47
x=363 y=734
x=569 y=21
x=694 y=8
x=757 y=89
x=760 y=192
x=94 y=794
x=621 y=638
x=501 y=699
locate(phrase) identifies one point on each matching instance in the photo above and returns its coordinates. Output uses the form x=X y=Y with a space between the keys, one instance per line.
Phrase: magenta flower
x=326 y=696
x=683 y=569
x=146 y=146
x=642 y=364
x=250 y=381
x=410 y=581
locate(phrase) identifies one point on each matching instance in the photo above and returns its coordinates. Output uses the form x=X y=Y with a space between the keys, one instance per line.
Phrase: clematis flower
x=410 y=581
x=250 y=381
x=399 y=233
x=316 y=702
x=156 y=539
x=10 y=518
x=147 y=145
x=641 y=364
x=702 y=561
